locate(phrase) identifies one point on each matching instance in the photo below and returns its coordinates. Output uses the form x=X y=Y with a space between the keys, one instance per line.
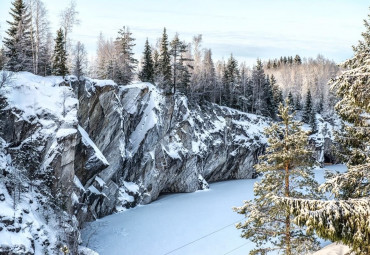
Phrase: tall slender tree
x=147 y=72
x=287 y=173
x=165 y=75
x=18 y=43
x=125 y=59
x=60 y=55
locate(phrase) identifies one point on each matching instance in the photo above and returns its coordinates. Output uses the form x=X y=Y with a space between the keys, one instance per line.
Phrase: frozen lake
x=200 y=223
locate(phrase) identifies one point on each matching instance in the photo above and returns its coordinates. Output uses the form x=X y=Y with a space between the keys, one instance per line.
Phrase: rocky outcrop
x=159 y=144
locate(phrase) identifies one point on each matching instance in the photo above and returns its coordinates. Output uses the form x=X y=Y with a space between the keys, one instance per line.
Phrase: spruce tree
x=147 y=73
x=126 y=63
x=60 y=55
x=307 y=111
x=165 y=78
x=18 y=49
x=287 y=173
x=346 y=219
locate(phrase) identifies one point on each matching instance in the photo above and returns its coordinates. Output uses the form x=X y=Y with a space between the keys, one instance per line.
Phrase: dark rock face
x=160 y=144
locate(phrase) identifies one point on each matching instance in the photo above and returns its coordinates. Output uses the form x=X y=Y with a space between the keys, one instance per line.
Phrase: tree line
x=29 y=45
x=172 y=64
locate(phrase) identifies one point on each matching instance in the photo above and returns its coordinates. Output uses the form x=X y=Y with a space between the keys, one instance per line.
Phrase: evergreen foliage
x=347 y=219
x=60 y=55
x=287 y=173
x=147 y=72
x=18 y=49
x=164 y=63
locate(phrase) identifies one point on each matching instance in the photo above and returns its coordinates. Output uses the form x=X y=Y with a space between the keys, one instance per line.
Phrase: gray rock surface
x=161 y=143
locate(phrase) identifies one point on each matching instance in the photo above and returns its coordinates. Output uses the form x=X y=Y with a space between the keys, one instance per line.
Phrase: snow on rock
x=162 y=143
x=88 y=142
x=38 y=132
x=333 y=249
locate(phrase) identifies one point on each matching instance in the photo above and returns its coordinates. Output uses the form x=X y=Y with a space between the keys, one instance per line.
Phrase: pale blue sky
x=248 y=29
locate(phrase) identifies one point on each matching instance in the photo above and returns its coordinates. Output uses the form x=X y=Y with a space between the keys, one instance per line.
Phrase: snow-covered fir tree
x=60 y=55
x=347 y=219
x=18 y=42
x=147 y=72
x=125 y=57
x=287 y=173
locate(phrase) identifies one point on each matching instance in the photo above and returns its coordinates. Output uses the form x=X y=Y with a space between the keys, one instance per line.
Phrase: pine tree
x=126 y=62
x=165 y=78
x=287 y=173
x=60 y=56
x=347 y=219
x=307 y=111
x=147 y=73
x=18 y=49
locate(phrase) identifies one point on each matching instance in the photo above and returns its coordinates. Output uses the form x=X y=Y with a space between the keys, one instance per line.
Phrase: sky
x=247 y=29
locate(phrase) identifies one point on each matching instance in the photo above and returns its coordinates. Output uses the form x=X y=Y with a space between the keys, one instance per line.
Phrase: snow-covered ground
x=193 y=223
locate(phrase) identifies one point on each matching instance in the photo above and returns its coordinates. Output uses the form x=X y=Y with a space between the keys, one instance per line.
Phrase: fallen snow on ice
x=203 y=220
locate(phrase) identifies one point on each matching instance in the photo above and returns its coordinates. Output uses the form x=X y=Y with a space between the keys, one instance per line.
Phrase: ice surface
x=179 y=219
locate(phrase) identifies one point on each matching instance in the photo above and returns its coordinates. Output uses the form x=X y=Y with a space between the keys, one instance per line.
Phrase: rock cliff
x=73 y=151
